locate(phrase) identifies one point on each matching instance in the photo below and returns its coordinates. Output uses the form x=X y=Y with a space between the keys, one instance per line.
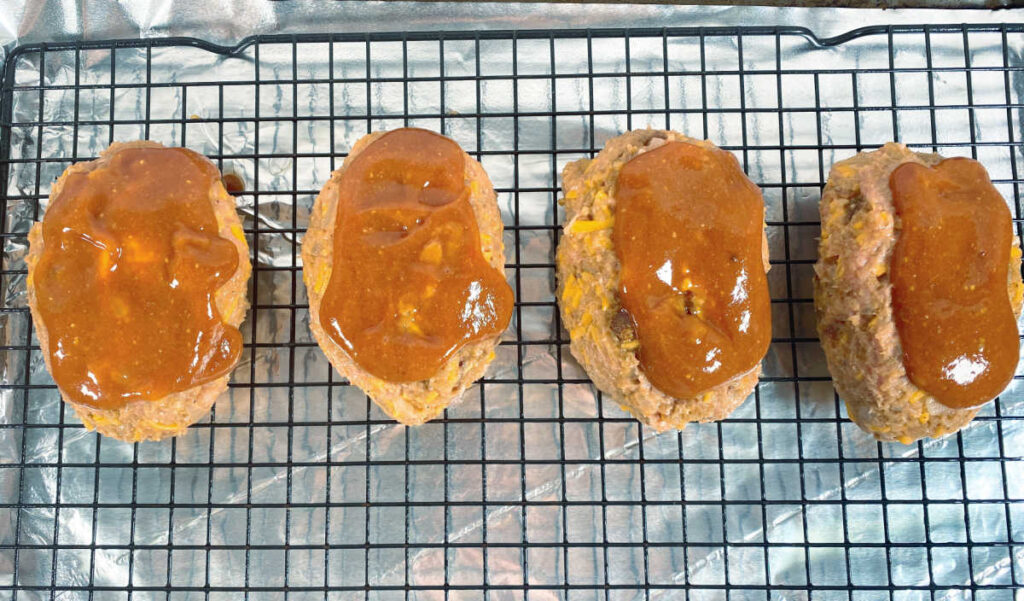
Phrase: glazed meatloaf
x=602 y=336
x=417 y=401
x=151 y=419
x=853 y=301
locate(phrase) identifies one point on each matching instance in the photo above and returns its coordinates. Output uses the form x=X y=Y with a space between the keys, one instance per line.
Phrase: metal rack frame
x=664 y=560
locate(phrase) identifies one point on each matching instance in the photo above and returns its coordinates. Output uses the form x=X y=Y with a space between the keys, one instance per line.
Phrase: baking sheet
x=532 y=481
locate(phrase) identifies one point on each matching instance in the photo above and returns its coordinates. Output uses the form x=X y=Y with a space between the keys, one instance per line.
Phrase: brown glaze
x=949 y=298
x=131 y=260
x=409 y=284
x=688 y=234
x=233 y=183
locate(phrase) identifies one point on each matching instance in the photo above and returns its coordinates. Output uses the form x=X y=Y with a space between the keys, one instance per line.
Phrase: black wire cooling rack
x=531 y=487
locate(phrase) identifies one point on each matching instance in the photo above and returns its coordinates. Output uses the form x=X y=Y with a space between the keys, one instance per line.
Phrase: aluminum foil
x=295 y=480
x=228 y=21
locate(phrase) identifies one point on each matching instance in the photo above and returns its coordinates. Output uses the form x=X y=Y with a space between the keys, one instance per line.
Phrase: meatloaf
x=413 y=402
x=853 y=301
x=588 y=279
x=153 y=419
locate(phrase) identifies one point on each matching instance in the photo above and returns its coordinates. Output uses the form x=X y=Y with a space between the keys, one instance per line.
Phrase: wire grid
x=297 y=486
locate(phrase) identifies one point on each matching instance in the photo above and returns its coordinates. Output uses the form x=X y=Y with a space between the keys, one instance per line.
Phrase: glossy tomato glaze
x=125 y=284
x=950 y=304
x=688 y=235
x=409 y=284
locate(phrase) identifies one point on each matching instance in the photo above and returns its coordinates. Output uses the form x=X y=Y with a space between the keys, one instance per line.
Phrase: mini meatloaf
x=604 y=337
x=170 y=415
x=414 y=399
x=853 y=296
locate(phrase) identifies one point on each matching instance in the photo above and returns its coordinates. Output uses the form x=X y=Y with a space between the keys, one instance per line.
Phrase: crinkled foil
x=298 y=481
